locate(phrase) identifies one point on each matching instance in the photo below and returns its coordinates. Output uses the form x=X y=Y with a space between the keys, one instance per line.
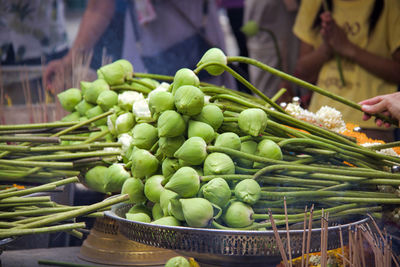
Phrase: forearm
x=95 y=20
x=387 y=69
x=309 y=65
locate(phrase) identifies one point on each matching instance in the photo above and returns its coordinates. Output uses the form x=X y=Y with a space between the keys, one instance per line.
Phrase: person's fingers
x=378 y=122
x=366 y=117
x=374 y=108
x=371 y=101
x=387 y=125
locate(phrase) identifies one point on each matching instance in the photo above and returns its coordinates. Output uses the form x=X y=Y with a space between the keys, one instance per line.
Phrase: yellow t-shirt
x=352 y=16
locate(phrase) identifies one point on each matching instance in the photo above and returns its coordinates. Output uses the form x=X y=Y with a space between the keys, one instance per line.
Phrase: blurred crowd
x=348 y=47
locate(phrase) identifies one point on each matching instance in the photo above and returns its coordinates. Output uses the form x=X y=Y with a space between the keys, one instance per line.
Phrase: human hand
x=54 y=70
x=335 y=36
x=388 y=105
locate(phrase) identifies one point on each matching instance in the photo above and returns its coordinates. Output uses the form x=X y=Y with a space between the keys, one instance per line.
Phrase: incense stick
x=278 y=239
x=309 y=234
x=287 y=233
x=304 y=237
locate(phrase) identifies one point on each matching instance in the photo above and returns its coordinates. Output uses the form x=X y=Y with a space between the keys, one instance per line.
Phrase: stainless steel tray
x=223 y=247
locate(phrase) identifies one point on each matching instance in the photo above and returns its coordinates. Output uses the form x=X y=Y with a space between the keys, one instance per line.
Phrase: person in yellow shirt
x=365 y=35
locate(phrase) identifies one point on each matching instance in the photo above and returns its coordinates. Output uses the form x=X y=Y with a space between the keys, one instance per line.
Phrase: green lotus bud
x=175 y=209
x=124 y=123
x=153 y=188
x=107 y=99
x=165 y=197
x=135 y=189
x=138 y=217
x=127 y=98
x=139 y=208
x=238 y=215
x=127 y=66
x=198 y=212
x=214 y=55
x=268 y=149
x=84 y=86
x=143 y=163
x=83 y=106
x=153 y=83
x=170 y=124
x=189 y=100
x=113 y=73
x=168 y=221
x=217 y=191
x=94 y=90
x=96 y=111
x=218 y=163
x=141 y=110
x=169 y=145
x=212 y=115
x=228 y=140
x=184 y=76
x=111 y=119
x=249 y=147
x=116 y=176
x=248 y=191
x=177 y=261
x=185 y=182
x=201 y=129
x=157 y=211
x=160 y=101
x=250 y=29
x=84 y=118
x=144 y=135
x=95 y=178
x=193 y=151
x=252 y=121
x=74 y=116
x=169 y=166
x=70 y=98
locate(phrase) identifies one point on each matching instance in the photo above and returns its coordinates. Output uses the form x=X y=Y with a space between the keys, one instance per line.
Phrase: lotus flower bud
x=184 y=76
x=95 y=178
x=214 y=55
x=96 y=111
x=138 y=217
x=127 y=66
x=153 y=83
x=107 y=99
x=238 y=215
x=249 y=147
x=84 y=86
x=116 y=176
x=153 y=188
x=124 y=123
x=141 y=110
x=144 y=135
x=217 y=191
x=248 y=191
x=193 y=151
x=268 y=149
x=228 y=140
x=113 y=73
x=126 y=141
x=218 y=163
x=189 y=100
x=111 y=119
x=139 y=208
x=163 y=87
x=83 y=106
x=212 y=115
x=250 y=29
x=135 y=189
x=198 y=212
x=252 y=121
x=94 y=90
x=169 y=166
x=143 y=163
x=127 y=98
x=201 y=129
x=169 y=145
x=74 y=116
x=177 y=261
x=175 y=209
x=165 y=197
x=70 y=98
x=168 y=221
x=160 y=101
x=185 y=182
x=170 y=124
x=157 y=211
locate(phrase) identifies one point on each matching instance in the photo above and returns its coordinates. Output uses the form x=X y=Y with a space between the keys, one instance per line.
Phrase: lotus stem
x=37 y=125
x=66 y=264
x=50 y=229
x=99 y=153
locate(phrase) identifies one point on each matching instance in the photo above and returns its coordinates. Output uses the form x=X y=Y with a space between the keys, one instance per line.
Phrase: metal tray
x=214 y=247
